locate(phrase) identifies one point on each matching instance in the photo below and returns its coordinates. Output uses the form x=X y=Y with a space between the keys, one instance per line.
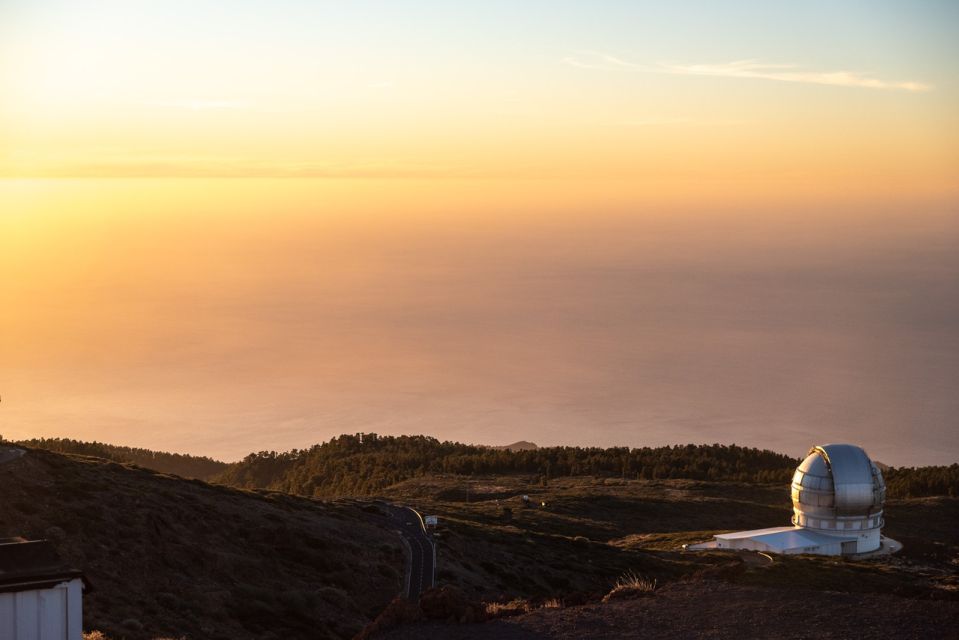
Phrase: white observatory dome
x=838 y=490
x=838 y=495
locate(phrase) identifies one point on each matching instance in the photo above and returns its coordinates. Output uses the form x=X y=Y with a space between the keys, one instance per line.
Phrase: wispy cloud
x=745 y=69
x=598 y=60
x=791 y=73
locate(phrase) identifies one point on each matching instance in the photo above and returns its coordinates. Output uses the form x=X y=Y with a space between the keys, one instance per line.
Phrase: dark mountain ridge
x=187 y=466
x=521 y=445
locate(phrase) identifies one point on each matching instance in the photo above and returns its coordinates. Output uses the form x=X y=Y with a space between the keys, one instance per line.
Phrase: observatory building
x=837 y=495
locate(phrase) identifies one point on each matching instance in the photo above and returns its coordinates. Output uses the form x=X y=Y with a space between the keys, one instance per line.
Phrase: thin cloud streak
x=600 y=60
x=791 y=73
x=750 y=69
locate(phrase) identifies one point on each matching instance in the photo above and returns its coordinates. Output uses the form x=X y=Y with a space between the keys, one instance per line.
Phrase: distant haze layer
x=220 y=317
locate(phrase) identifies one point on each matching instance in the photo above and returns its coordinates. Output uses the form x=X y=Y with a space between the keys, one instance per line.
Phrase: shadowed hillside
x=179 y=558
x=710 y=610
x=176 y=463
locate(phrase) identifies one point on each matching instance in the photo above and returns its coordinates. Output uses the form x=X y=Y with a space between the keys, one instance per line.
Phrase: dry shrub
x=631 y=585
x=506 y=609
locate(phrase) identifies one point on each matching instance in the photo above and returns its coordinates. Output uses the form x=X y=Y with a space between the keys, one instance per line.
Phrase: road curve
x=419 y=577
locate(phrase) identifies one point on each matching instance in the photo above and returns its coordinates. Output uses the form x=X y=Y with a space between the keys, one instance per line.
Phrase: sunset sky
x=568 y=222
x=823 y=93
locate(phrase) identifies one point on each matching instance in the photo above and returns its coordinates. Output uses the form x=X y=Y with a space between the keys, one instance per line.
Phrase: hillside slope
x=178 y=464
x=714 y=610
x=180 y=558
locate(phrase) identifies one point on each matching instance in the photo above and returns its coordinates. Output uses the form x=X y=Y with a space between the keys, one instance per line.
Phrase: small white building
x=785 y=540
x=838 y=495
x=41 y=598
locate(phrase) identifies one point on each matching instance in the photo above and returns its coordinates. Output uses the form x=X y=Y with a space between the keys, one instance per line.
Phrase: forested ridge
x=366 y=464
x=179 y=464
x=917 y=482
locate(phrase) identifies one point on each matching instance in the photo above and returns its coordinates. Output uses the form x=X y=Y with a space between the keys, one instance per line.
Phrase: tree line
x=917 y=482
x=366 y=464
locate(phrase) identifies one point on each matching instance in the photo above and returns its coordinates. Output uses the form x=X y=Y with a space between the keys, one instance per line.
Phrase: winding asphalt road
x=421 y=569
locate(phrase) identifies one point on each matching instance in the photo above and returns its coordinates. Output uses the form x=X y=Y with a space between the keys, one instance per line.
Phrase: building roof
x=782 y=538
x=849 y=463
x=31 y=564
x=846 y=469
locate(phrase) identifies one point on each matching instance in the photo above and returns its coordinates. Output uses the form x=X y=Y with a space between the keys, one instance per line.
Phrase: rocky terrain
x=713 y=610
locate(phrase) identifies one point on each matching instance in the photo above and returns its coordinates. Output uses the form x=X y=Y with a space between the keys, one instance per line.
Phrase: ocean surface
x=220 y=317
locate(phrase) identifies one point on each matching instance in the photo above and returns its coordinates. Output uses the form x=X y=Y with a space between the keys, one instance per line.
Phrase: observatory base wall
x=747 y=544
x=865 y=541
x=868 y=541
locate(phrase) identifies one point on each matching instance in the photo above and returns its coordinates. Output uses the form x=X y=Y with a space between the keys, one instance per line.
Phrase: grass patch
x=631 y=585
